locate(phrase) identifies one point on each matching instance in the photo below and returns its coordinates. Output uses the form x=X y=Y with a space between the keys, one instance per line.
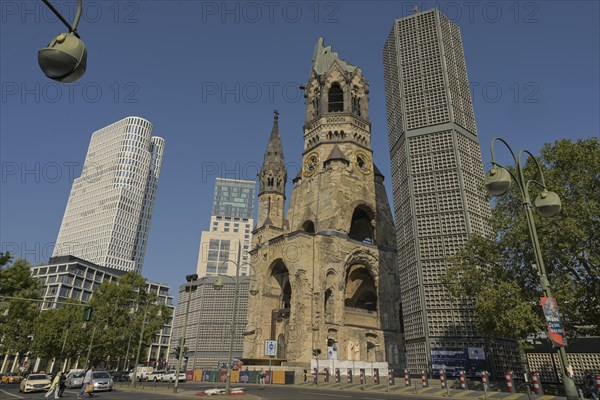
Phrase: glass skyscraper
x=108 y=214
x=234 y=198
x=230 y=234
x=437 y=176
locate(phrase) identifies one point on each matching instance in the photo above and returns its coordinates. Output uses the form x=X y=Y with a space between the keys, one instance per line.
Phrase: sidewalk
x=182 y=392
x=428 y=392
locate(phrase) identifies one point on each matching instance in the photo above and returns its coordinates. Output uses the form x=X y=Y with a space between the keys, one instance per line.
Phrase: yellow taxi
x=11 y=377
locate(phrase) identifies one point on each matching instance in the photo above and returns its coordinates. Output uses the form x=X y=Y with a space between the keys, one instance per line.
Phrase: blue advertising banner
x=471 y=360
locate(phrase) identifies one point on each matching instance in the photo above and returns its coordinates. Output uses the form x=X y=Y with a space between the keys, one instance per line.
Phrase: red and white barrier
x=349 y=375
x=509 y=383
x=315 y=375
x=337 y=375
x=537 y=384
x=443 y=379
x=484 y=380
x=463 y=383
x=390 y=377
x=362 y=376
x=598 y=382
x=406 y=378
x=376 y=376
x=424 y=378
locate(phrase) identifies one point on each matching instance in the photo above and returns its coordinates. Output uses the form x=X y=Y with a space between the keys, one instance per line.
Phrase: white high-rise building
x=107 y=218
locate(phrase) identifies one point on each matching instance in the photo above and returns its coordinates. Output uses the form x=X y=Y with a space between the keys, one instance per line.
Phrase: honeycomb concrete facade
x=437 y=176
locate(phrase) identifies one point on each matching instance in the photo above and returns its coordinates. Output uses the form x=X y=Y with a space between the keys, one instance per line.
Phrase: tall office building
x=208 y=332
x=108 y=214
x=437 y=176
x=230 y=233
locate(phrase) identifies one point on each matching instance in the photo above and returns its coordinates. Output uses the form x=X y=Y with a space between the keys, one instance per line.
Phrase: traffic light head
x=87 y=313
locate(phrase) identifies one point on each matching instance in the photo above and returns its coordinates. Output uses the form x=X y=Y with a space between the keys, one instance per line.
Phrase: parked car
x=169 y=376
x=120 y=376
x=102 y=381
x=35 y=383
x=141 y=373
x=74 y=379
x=156 y=376
x=11 y=377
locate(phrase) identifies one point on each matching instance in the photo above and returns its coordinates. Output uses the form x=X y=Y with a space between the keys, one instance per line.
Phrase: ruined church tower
x=327 y=274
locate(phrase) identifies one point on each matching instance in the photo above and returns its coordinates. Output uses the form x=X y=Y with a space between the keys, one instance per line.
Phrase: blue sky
x=208 y=75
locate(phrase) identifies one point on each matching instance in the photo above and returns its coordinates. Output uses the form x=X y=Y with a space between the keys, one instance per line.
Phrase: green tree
x=17 y=316
x=498 y=274
x=119 y=312
x=59 y=333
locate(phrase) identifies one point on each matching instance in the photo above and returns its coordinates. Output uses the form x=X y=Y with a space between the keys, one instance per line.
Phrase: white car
x=156 y=376
x=169 y=376
x=35 y=383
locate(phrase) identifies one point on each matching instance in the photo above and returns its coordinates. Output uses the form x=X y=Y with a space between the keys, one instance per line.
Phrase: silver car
x=74 y=379
x=102 y=381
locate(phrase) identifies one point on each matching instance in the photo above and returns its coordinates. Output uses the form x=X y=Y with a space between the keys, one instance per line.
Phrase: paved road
x=11 y=392
x=188 y=391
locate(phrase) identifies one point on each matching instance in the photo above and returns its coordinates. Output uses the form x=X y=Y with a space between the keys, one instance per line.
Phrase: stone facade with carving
x=327 y=273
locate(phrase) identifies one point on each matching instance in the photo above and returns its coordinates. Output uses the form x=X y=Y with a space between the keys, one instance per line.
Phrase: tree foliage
x=498 y=274
x=17 y=316
x=59 y=333
x=120 y=310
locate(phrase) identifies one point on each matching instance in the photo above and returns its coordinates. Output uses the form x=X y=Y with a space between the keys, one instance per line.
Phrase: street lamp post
x=189 y=279
x=134 y=378
x=218 y=285
x=497 y=182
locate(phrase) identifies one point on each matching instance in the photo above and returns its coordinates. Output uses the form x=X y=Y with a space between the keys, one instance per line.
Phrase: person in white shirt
x=87 y=380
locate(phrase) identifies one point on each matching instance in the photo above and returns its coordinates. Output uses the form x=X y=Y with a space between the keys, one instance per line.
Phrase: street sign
x=270 y=347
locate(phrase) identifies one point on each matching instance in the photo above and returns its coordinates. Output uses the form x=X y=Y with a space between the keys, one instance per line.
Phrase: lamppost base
x=570 y=389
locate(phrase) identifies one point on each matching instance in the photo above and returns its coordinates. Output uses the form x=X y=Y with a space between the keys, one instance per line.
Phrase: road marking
x=326 y=394
x=10 y=394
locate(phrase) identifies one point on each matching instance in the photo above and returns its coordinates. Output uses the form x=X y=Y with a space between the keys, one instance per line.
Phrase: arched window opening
x=281 y=276
x=281 y=346
x=360 y=290
x=360 y=228
x=286 y=298
x=371 y=352
x=329 y=306
x=336 y=98
x=308 y=227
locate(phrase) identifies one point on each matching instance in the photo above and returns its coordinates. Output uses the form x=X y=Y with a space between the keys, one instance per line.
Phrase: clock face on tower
x=363 y=162
x=310 y=164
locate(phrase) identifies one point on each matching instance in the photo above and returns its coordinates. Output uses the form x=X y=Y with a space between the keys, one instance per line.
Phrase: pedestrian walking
x=590 y=384
x=61 y=384
x=88 y=383
x=262 y=378
x=54 y=387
